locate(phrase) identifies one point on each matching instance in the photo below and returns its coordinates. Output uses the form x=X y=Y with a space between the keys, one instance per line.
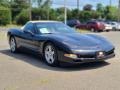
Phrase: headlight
x=70 y=55
x=100 y=54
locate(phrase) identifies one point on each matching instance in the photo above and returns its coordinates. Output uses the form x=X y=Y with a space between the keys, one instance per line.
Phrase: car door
x=88 y=25
x=28 y=37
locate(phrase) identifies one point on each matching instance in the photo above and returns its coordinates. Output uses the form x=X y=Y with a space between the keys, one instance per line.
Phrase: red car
x=92 y=25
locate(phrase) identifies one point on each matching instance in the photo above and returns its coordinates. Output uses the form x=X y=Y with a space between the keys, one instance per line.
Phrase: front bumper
x=85 y=59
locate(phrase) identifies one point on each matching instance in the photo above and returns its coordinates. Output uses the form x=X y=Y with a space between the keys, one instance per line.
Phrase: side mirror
x=29 y=32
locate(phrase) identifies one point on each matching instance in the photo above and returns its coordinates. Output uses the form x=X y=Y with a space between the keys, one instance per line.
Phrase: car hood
x=107 y=25
x=83 y=41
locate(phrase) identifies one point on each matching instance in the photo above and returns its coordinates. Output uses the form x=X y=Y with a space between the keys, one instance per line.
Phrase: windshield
x=54 y=27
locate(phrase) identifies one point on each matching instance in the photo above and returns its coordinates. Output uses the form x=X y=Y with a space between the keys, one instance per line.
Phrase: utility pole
x=10 y=12
x=78 y=4
x=78 y=8
x=65 y=12
x=110 y=2
x=119 y=5
x=30 y=9
x=48 y=11
x=119 y=11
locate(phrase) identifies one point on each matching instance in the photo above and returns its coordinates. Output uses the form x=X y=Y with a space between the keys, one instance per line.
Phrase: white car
x=108 y=27
x=115 y=25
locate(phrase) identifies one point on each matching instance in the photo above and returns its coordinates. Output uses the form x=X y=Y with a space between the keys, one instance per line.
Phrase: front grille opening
x=86 y=56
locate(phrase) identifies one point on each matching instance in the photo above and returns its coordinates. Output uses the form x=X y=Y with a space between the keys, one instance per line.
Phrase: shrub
x=5 y=15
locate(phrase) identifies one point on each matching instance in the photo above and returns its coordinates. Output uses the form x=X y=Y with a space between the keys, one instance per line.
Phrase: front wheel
x=50 y=55
x=13 y=45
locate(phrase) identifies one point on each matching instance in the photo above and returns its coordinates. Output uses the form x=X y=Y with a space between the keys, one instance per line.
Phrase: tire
x=13 y=45
x=107 y=30
x=51 y=55
x=92 y=30
x=114 y=29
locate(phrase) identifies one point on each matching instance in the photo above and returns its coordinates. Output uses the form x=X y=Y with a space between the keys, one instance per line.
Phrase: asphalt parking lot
x=27 y=72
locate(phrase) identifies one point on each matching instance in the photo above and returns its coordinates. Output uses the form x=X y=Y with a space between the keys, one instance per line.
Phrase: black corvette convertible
x=57 y=42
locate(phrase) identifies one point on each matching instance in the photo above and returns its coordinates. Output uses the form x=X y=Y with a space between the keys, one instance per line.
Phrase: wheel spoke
x=52 y=59
x=50 y=48
x=52 y=52
x=49 y=54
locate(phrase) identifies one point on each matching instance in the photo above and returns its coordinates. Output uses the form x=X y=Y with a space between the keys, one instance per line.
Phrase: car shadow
x=36 y=61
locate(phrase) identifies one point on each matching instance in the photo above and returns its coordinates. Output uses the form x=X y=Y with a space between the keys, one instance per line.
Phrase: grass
x=82 y=31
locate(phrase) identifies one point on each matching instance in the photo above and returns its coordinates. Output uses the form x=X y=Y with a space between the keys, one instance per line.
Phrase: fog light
x=70 y=55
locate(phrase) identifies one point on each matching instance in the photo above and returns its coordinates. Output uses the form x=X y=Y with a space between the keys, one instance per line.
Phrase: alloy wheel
x=12 y=45
x=49 y=54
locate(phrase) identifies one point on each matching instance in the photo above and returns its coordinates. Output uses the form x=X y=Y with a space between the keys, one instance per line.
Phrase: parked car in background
x=95 y=26
x=73 y=22
x=108 y=27
x=92 y=26
x=81 y=26
x=115 y=25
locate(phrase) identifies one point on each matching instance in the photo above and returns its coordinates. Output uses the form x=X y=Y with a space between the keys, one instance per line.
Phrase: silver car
x=115 y=25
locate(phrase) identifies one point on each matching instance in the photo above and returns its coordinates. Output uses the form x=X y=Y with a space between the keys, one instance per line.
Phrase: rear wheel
x=13 y=45
x=50 y=55
x=107 y=30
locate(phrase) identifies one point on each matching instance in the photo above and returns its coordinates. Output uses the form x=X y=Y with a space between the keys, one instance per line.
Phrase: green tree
x=87 y=7
x=22 y=17
x=44 y=6
x=5 y=15
x=60 y=14
x=42 y=3
x=39 y=2
x=53 y=14
x=39 y=14
x=5 y=3
x=111 y=12
x=17 y=6
x=75 y=13
x=100 y=7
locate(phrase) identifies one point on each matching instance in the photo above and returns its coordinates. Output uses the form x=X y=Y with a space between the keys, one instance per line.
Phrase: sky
x=73 y=3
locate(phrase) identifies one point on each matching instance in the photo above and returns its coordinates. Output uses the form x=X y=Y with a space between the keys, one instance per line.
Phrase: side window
x=113 y=23
x=29 y=26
